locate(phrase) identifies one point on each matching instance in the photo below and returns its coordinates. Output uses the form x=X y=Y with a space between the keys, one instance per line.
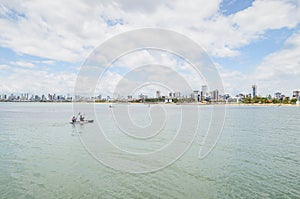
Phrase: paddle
x=77 y=116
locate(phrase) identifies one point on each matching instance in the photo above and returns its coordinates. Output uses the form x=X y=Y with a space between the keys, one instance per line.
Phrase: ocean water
x=42 y=155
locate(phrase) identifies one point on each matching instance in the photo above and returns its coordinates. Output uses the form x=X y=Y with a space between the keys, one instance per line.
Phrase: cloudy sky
x=44 y=43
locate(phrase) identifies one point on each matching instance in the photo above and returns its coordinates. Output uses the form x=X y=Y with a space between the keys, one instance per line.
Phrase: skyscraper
x=215 y=95
x=203 y=92
x=158 y=94
x=254 y=91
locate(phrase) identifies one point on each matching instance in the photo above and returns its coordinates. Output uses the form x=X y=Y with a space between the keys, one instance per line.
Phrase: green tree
x=247 y=100
x=293 y=101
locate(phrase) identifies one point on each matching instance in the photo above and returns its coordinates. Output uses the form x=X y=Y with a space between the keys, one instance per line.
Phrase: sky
x=43 y=44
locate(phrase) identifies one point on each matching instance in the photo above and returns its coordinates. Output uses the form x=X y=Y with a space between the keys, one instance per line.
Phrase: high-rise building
x=215 y=95
x=44 y=98
x=158 y=94
x=204 y=90
x=254 y=90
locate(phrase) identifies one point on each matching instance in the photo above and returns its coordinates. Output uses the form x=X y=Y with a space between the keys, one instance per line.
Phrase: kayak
x=82 y=122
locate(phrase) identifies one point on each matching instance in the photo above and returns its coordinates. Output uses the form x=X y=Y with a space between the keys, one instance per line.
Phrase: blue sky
x=43 y=44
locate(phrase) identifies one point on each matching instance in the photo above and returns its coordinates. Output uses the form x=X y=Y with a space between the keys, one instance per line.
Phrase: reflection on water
x=41 y=156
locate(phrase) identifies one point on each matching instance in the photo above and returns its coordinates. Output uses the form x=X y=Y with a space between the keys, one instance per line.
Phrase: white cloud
x=153 y=63
x=47 y=62
x=4 y=67
x=68 y=31
x=264 y=15
x=281 y=69
x=37 y=81
x=23 y=64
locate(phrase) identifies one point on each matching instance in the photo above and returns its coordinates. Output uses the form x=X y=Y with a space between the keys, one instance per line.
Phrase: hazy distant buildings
x=204 y=96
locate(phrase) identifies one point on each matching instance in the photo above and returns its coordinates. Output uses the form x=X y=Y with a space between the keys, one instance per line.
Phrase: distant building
x=203 y=92
x=235 y=99
x=129 y=98
x=99 y=97
x=23 y=97
x=278 y=95
x=60 y=98
x=296 y=94
x=142 y=97
x=242 y=96
x=254 y=91
x=224 y=97
x=168 y=100
x=196 y=96
x=158 y=94
x=50 y=98
x=177 y=95
x=215 y=95
x=172 y=95
x=37 y=98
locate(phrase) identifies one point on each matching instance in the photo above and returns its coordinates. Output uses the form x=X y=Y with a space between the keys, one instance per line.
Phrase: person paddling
x=81 y=118
x=73 y=119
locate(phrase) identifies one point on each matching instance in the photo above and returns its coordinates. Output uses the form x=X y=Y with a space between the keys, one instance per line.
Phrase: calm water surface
x=41 y=156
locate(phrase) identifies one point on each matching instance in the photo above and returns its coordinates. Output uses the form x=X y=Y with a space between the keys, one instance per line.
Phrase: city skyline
x=198 y=95
x=42 y=52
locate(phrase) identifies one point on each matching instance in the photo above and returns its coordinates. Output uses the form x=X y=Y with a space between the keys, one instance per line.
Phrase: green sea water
x=41 y=155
